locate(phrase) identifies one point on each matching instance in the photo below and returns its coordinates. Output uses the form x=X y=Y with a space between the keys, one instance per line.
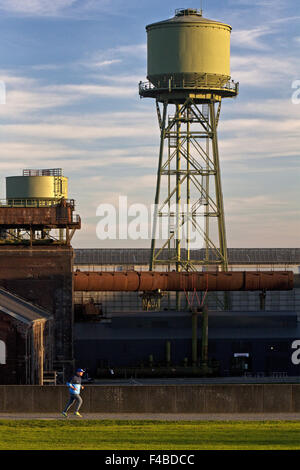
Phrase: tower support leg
x=192 y=195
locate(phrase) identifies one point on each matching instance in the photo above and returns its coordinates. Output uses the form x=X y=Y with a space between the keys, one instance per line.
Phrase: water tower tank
x=41 y=185
x=188 y=50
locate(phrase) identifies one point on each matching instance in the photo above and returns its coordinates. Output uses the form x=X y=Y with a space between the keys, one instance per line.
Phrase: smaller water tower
x=37 y=187
x=37 y=209
x=188 y=71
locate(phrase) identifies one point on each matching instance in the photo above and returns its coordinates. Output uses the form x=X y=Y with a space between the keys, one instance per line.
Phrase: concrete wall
x=257 y=398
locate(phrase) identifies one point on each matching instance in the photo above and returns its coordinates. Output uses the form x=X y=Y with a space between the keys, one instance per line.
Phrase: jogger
x=75 y=386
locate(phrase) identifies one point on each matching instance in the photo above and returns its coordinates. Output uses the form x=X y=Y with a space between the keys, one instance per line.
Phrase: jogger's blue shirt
x=75 y=381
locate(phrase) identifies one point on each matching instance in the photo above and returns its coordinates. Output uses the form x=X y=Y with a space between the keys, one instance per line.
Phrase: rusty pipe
x=151 y=281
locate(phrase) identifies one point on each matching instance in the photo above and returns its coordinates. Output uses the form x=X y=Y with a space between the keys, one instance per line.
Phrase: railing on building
x=36 y=202
x=195 y=82
x=45 y=172
x=188 y=11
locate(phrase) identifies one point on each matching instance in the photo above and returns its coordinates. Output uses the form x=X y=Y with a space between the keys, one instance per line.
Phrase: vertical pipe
x=204 y=352
x=67 y=236
x=31 y=235
x=207 y=198
x=219 y=200
x=155 y=215
x=169 y=210
x=169 y=201
x=178 y=189
x=32 y=357
x=194 y=337
x=168 y=352
x=262 y=299
x=188 y=184
x=42 y=353
x=27 y=380
x=178 y=198
x=219 y=195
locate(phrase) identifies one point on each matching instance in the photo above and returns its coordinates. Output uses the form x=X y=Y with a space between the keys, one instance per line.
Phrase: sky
x=71 y=70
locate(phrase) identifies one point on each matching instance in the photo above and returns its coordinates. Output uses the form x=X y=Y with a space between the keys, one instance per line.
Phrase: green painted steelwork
x=189 y=164
x=189 y=68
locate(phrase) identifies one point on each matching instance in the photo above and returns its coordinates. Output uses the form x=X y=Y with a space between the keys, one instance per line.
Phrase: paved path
x=159 y=416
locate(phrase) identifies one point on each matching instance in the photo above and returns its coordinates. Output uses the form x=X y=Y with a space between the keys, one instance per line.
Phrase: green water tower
x=188 y=72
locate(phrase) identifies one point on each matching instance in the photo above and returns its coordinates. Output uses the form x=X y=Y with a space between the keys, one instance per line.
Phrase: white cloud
x=241 y=204
x=285 y=20
x=115 y=55
x=260 y=129
x=35 y=7
x=256 y=144
x=77 y=132
x=275 y=108
x=17 y=154
x=91 y=64
x=96 y=90
x=263 y=70
x=251 y=38
x=27 y=96
x=131 y=49
x=104 y=63
x=19 y=103
x=275 y=5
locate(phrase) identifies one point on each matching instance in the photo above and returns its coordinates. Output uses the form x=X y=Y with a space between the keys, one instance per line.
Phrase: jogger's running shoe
x=78 y=414
x=64 y=414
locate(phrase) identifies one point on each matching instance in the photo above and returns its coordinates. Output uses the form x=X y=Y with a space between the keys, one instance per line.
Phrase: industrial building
x=37 y=223
x=254 y=337
x=163 y=311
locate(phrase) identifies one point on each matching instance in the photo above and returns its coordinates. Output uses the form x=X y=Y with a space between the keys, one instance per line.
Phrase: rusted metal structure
x=131 y=281
x=32 y=223
x=37 y=209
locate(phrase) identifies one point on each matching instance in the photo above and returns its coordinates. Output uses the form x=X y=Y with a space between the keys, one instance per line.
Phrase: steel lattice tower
x=188 y=190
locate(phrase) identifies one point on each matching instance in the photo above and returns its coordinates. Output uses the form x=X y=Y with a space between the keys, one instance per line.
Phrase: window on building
x=2 y=352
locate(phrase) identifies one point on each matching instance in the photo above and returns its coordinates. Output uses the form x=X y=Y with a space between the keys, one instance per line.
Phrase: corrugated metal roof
x=20 y=309
x=132 y=256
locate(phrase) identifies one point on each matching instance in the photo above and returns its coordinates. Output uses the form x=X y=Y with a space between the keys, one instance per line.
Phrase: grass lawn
x=148 y=435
